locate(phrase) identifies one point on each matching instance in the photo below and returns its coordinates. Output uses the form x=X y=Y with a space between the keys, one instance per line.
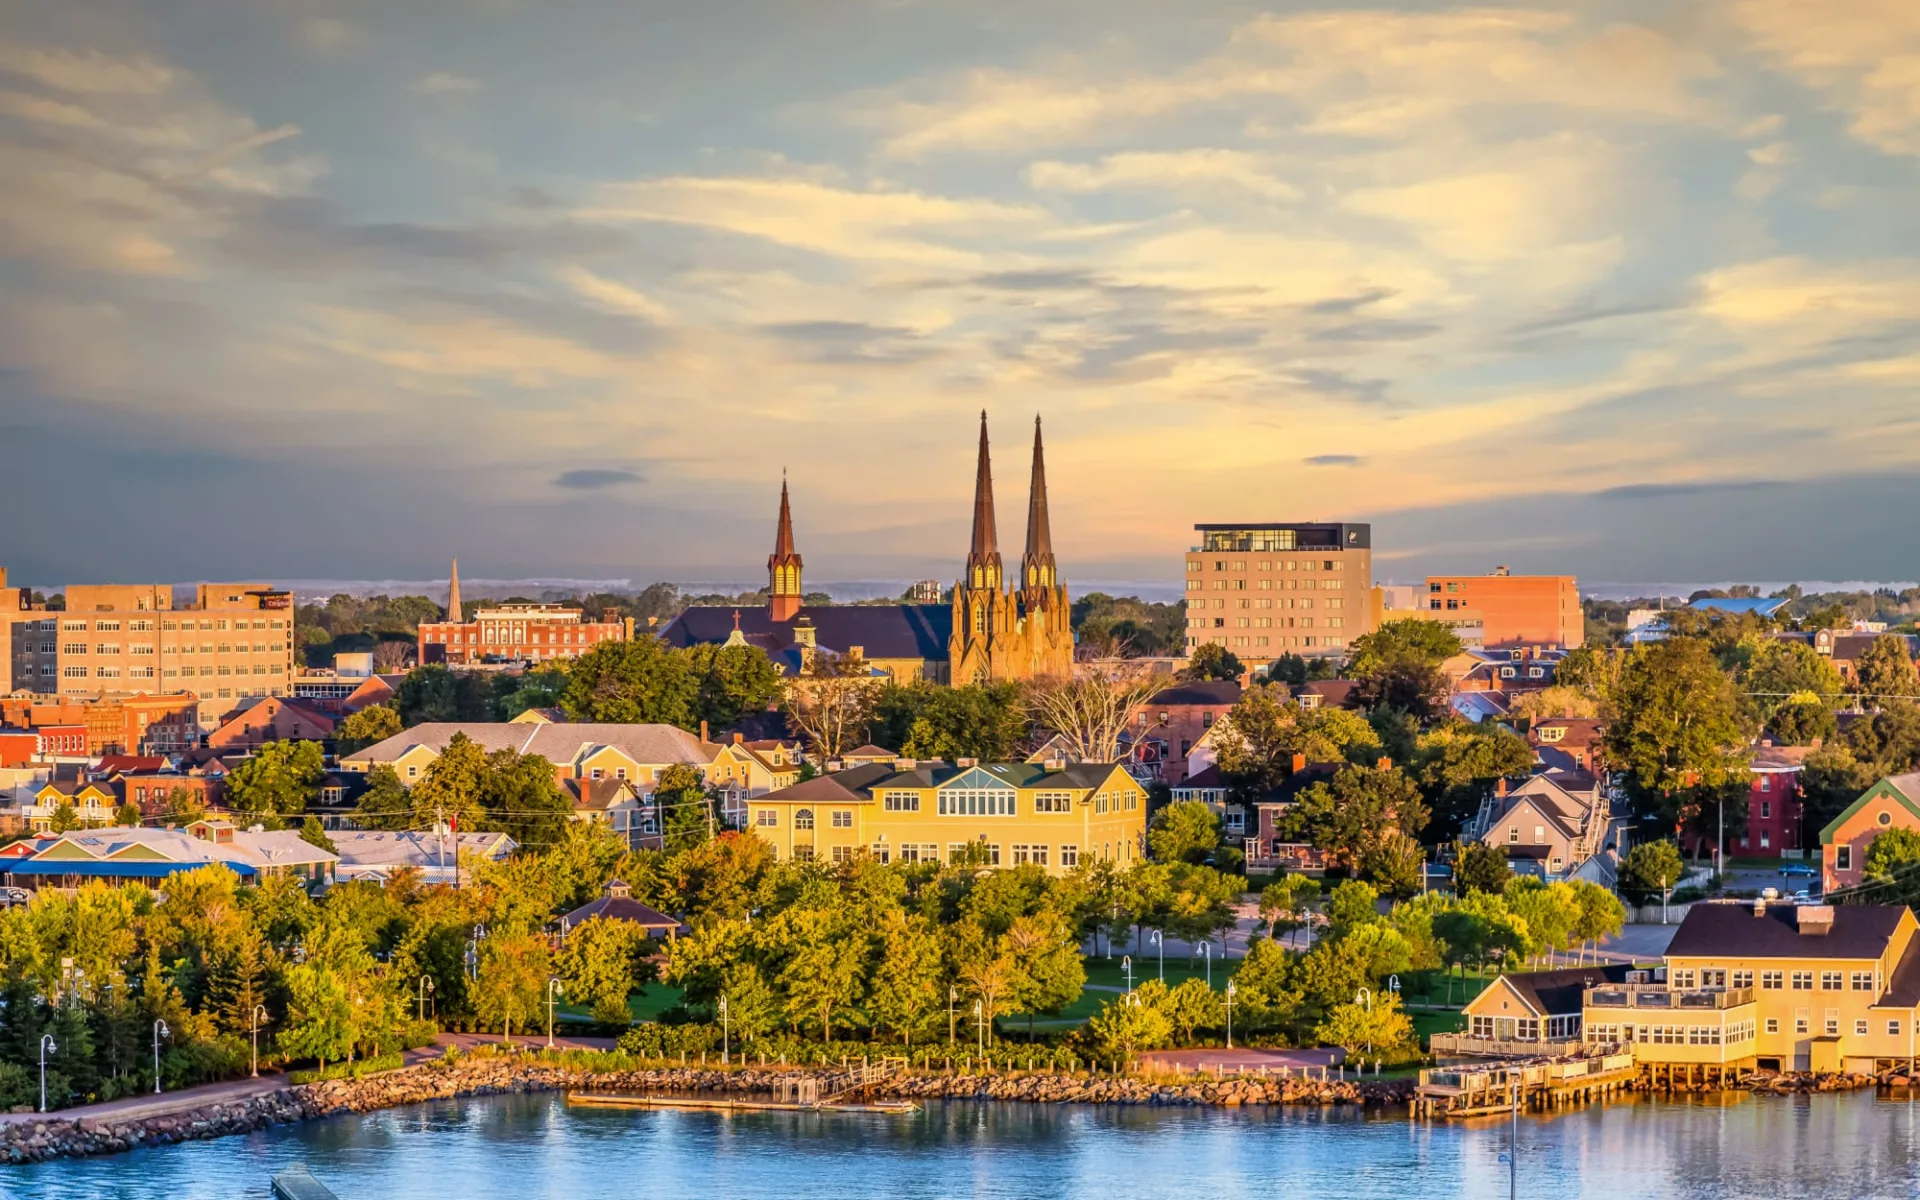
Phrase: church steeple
x=783 y=565
x=454 y=612
x=983 y=560
x=1037 y=570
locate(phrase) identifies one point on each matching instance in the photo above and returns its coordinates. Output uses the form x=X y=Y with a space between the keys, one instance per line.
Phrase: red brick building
x=1174 y=719
x=534 y=632
x=1774 y=807
x=275 y=719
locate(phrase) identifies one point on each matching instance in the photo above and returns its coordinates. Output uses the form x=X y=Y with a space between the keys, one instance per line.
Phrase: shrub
x=358 y=1070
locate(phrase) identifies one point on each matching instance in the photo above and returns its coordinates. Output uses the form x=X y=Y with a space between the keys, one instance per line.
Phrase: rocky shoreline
x=53 y=1136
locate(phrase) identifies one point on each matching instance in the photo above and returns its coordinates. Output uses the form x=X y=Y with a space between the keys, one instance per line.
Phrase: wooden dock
x=700 y=1103
x=1539 y=1084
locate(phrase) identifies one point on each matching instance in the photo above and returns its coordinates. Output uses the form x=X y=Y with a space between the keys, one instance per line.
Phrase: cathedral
x=994 y=628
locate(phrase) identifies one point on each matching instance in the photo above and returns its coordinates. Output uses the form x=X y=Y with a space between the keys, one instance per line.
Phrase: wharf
x=617 y=1100
x=1536 y=1083
x=298 y=1183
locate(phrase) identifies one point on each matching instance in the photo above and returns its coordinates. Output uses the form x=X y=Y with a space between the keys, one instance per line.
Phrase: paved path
x=136 y=1107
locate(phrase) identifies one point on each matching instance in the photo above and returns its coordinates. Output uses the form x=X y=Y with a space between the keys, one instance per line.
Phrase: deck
x=1540 y=1084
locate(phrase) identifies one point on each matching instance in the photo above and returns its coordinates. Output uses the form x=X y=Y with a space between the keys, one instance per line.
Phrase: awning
x=89 y=868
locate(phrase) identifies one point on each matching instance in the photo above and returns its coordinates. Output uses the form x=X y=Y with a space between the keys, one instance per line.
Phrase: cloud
x=1863 y=56
x=1335 y=460
x=444 y=83
x=595 y=478
x=1179 y=170
x=1663 y=491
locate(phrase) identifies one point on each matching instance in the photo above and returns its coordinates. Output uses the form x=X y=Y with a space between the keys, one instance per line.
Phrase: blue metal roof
x=116 y=870
x=1764 y=606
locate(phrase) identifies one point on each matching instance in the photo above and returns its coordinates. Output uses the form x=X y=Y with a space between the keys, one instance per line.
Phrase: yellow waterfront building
x=1048 y=814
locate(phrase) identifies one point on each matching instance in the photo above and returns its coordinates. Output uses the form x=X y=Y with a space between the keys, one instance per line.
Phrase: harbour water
x=535 y=1148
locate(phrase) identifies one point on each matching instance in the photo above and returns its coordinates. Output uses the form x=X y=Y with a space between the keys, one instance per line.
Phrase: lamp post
x=1206 y=955
x=1115 y=921
x=46 y=1043
x=160 y=1030
x=553 y=992
x=1126 y=964
x=980 y=1026
x=426 y=985
x=953 y=995
x=1161 y=943
x=1230 y=991
x=726 y=1035
x=253 y=1031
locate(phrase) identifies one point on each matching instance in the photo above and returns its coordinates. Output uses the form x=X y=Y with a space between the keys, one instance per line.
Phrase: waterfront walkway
x=1243 y=1060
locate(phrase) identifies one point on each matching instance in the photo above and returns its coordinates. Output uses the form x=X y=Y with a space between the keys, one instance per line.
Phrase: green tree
x=1463 y=937
x=1352 y=820
x=1651 y=869
x=1886 y=672
x=908 y=995
x=643 y=680
x=732 y=682
x=1350 y=905
x=1459 y=763
x=319 y=1015
x=184 y=807
x=1192 y=1006
x=512 y=988
x=64 y=819
x=1128 y=1024
x=1290 y=669
x=1676 y=726
x=1211 y=660
x=1398 y=666
x=1285 y=902
x=454 y=785
x=600 y=964
x=690 y=816
x=277 y=781
x=823 y=981
x=520 y=798
x=385 y=804
x=543 y=687
x=1375 y=1027
x=1779 y=673
x=1591 y=670
x=1479 y=867
x=1186 y=831
x=437 y=693
x=314 y=834
x=127 y=815
x=1600 y=913
x=1046 y=957
x=374 y=723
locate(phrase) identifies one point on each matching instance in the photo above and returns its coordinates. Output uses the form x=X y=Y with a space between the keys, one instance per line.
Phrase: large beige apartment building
x=234 y=641
x=1263 y=590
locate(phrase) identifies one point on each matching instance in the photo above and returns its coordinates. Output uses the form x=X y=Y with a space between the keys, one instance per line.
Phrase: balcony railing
x=1460 y=1045
x=1292 y=856
x=1659 y=996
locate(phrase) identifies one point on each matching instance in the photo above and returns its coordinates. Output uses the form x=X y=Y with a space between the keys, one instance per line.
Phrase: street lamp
x=426 y=985
x=553 y=991
x=46 y=1043
x=1230 y=991
x=1206 y=953
x=726 y=1040
x=253 y=1021
x=160 y=1030
x=1364 y=997
x=1162 y=944
x=1126 y=964
x=953 y=994
x=980 y=1025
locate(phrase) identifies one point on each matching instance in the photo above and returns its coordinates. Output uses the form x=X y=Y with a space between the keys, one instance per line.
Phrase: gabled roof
x=1904 y=788
x=597 y=795
x=559 y=744
x=841 y=787
x=1333 y=693
x=364 y=848
x=1213 y=693
x=1558 y=993
x=620 y=908
x=1732 y=931
x=880 y=630
x=870 y=751
x=1203 y=781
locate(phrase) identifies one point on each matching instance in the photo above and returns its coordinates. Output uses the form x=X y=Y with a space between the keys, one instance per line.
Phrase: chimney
x=966 y=762
x=1759 y=906
x=1299 y=763
x=739 y=738
x=1385 y=764
x=1814 y=920
x=1500 y=786
x=703 y=731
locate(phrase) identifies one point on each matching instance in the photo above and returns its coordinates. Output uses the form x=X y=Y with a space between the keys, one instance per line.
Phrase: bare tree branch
x=1090 y=709
x=831 y=703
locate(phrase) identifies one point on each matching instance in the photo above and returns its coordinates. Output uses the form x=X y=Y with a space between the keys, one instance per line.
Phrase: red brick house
x=274 y=719
x=1177 y=717
x=1774 y=807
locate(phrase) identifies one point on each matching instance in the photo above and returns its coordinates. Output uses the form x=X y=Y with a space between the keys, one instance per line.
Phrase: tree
x=832 y=703
x=374 y=723
x=1090 y=709
x=1651 y=869
x=1781 y=673
x=1350 y=905
x=1886 y=672
x=1592 y=671
x=1047 y=957
x=1600 y=913
x=1128 y=1024
x=1266 y=732
x=982 y=721
x=520 y=798
x=824 y=980
x=542 y=687
x=1284 y=902
x=1459 y=764
x=689 y=815
x=454 y=785
x=1352 y=819
x=1186 y=831
x=65 y=818
x=638 y=681
x=319 y=1015
x=184 y=807
x=1378 y=1025
x=1398 y=666
x=1675 y=726
x=1211 y=660
x=386 y=803
x=1289 y=668
x=1479 y=867
x=278 y=780
x=1463 y=938
x=600 y=964
x=127 y=815
x=732 y=682
x=513 y=979
x=1556 y=701
x=439 y=693
x=1193 y=1005
x=313 y=834
x=908 y=996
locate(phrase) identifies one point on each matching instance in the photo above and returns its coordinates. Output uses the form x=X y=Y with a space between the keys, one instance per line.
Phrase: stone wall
x=56 y=1137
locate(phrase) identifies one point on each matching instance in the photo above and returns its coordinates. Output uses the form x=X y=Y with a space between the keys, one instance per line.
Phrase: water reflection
x=532 y=1147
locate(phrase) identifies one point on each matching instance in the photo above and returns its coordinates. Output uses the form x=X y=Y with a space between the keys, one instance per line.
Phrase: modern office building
x=1263 y=590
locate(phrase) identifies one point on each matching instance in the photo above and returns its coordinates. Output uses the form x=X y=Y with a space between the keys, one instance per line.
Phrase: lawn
x=1105 y=980
x=655 y=999
x=1427 y=1022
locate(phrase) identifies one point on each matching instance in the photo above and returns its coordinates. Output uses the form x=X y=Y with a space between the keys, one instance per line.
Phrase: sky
x=302 y=290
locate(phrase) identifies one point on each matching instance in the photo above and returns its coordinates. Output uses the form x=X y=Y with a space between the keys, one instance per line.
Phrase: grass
x=646 y=1005
x=1426 y=1023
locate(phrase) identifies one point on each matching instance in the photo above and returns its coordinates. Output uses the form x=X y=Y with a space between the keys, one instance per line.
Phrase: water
x=533 y=1148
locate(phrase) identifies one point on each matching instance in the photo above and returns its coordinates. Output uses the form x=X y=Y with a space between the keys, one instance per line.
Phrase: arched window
x=803 y=819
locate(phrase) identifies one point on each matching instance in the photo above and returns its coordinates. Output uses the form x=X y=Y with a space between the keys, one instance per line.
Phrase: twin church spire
x=998 y=633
